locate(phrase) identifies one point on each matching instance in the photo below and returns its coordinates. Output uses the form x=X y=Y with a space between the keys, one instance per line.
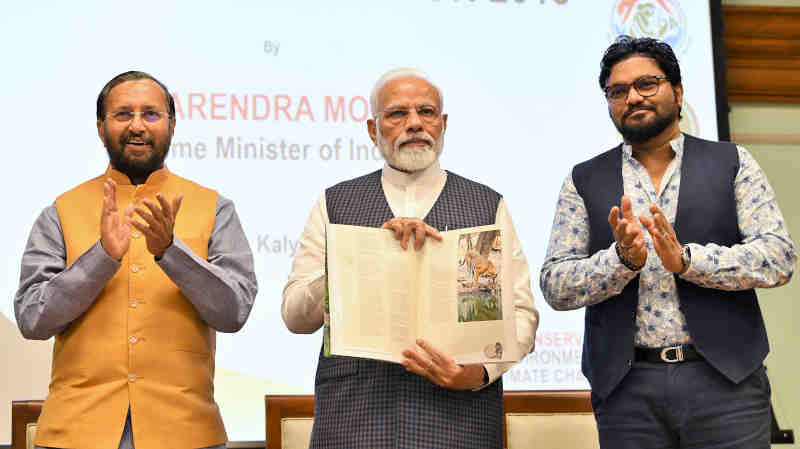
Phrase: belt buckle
x=678 y=354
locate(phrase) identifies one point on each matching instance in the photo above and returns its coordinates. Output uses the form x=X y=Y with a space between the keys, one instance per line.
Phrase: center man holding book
x=428 y=400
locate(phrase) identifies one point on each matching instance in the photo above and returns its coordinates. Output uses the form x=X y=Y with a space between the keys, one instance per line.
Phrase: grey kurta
x=51 y=295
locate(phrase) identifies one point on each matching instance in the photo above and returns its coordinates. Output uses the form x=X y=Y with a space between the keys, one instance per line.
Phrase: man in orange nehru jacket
x=134 y=272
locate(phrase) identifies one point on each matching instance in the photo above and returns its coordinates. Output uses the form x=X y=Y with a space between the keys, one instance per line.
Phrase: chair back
x=24 y=415
x=289 y=421
x=532 y=419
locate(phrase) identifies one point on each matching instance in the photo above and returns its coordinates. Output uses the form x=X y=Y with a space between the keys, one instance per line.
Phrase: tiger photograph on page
x=479 y=276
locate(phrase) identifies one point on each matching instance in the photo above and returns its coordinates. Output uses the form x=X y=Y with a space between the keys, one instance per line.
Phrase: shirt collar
x=676 y=143
x=156 y=179
x=427 y=176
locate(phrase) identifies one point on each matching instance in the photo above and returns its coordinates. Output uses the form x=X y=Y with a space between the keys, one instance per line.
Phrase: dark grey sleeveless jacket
x=726 y=326
x=370 y=404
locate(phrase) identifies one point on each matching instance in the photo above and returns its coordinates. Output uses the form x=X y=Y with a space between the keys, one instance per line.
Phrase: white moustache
x=427 y=139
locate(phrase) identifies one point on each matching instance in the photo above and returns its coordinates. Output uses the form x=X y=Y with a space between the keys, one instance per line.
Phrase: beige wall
x=26 y=366
x=781 y=162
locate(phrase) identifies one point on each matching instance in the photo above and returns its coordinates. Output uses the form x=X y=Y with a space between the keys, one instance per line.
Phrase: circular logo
x=493 y=350
x=659 y=19
x=688 y=123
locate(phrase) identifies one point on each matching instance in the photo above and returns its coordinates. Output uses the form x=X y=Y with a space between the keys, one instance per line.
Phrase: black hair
x=626 y=46
x=131 y=75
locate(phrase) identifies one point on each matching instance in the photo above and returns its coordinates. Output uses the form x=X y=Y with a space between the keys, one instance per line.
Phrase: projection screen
x=272 y=102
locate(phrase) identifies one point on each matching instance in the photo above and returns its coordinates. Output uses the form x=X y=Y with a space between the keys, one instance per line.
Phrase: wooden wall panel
x=762 y=44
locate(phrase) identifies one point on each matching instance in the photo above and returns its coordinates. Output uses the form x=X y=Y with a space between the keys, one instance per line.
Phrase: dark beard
x=645 y=132
x=136 y=170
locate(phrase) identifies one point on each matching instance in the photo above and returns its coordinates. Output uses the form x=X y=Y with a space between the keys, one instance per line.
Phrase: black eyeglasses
x=646 y=86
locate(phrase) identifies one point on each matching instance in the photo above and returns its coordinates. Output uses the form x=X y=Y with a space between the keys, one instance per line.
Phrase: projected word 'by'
x=271 y=47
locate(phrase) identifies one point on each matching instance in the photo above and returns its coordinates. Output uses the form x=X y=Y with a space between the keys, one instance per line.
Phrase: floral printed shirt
x=572 y=278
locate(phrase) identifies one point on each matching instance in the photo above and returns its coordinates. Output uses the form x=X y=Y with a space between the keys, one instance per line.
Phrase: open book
x=380 y=298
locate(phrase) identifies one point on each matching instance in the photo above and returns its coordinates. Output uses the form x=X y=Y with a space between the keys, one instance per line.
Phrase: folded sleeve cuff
x=99 y=264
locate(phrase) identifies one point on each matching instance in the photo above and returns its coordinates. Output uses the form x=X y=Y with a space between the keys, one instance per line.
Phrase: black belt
x=670 y=354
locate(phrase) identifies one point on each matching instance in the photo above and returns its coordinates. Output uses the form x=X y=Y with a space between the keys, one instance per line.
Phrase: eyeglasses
x=646 y=86
x=147 y=116
x=395 y=116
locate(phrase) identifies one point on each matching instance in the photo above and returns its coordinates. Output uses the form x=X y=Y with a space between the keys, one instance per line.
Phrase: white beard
x=413 y=158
